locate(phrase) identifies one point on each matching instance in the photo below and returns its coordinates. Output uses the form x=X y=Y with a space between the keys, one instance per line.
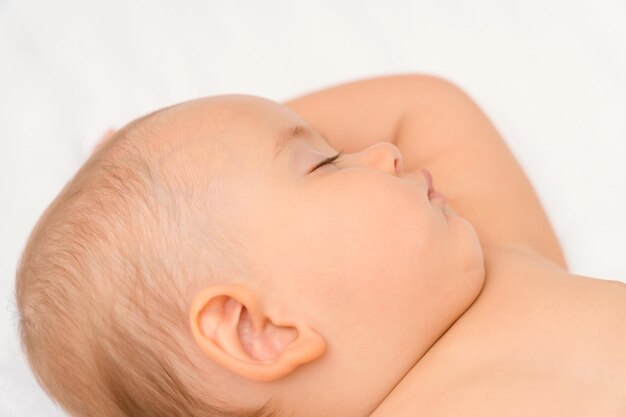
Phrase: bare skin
x=521 y=337
x=345 y=262
x=538 y=340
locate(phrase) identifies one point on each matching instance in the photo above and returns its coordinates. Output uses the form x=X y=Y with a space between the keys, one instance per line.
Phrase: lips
x=432 y=194
x=429 y=179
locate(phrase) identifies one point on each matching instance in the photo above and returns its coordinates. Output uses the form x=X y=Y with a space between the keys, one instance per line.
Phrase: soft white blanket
x=550 y=74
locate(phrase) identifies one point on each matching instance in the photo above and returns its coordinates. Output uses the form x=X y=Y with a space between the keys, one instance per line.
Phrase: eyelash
x=327 y=161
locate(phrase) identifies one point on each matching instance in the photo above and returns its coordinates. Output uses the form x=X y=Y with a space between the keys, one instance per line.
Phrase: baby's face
x=355 y=249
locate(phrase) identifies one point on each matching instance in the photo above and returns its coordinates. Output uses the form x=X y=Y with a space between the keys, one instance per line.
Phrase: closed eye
x=330 y=160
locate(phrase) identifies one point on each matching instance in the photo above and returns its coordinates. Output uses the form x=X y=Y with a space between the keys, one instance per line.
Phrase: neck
x=413 y=388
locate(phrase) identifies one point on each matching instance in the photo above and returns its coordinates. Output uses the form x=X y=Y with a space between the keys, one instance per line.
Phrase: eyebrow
x=288 y=137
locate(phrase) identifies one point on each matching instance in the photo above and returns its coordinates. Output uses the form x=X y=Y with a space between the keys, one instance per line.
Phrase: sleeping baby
x=369 y=249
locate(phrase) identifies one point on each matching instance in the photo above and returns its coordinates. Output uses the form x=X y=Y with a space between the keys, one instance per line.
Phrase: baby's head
x=194 y=266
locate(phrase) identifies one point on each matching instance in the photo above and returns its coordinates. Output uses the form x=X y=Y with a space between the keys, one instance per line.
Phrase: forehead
x=243 y=121
x=236 y=120
x=229 y=131
x=208 y=119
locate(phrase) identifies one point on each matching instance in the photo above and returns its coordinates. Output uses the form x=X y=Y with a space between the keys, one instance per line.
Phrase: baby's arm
x=438 y=127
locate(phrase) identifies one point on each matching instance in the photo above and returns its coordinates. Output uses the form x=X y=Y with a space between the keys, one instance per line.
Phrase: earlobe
x=230 y=326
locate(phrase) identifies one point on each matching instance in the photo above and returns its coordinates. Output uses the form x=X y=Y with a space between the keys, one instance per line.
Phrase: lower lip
x=432 y=194
x=436 y=195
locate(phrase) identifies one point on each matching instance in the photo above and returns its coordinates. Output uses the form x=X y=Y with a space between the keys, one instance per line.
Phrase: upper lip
x=429 y=180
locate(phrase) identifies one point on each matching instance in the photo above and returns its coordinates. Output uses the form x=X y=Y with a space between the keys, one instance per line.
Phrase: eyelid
x=326 y=161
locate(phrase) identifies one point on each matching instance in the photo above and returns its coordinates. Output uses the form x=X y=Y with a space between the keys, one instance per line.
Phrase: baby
x=233 y=256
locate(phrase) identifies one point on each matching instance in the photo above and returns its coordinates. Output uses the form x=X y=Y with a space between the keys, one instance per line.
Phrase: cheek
x=373 y=245
x=361 y=265
x=356 y=232
x=376 y=222
x=365 y=278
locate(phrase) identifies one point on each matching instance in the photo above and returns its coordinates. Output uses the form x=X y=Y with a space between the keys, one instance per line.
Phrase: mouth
x=432 y=194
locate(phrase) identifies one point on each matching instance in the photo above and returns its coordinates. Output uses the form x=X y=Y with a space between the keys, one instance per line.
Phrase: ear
x=230 y=326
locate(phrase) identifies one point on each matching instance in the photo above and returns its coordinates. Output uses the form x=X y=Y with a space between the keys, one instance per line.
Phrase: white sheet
x=551 y=75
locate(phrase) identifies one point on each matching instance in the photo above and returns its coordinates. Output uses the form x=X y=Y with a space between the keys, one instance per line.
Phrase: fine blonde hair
x=103 y=288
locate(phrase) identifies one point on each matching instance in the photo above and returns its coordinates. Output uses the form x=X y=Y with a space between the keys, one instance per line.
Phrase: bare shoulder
x=589 y=310
x=505 y=254
x=552 y=342
x=538 y=340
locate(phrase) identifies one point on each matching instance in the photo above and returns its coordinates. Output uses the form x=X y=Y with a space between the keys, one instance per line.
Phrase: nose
x=382 y=155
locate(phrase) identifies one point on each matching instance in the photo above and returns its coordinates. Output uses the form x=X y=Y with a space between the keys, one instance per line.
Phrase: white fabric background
x=550 y=74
